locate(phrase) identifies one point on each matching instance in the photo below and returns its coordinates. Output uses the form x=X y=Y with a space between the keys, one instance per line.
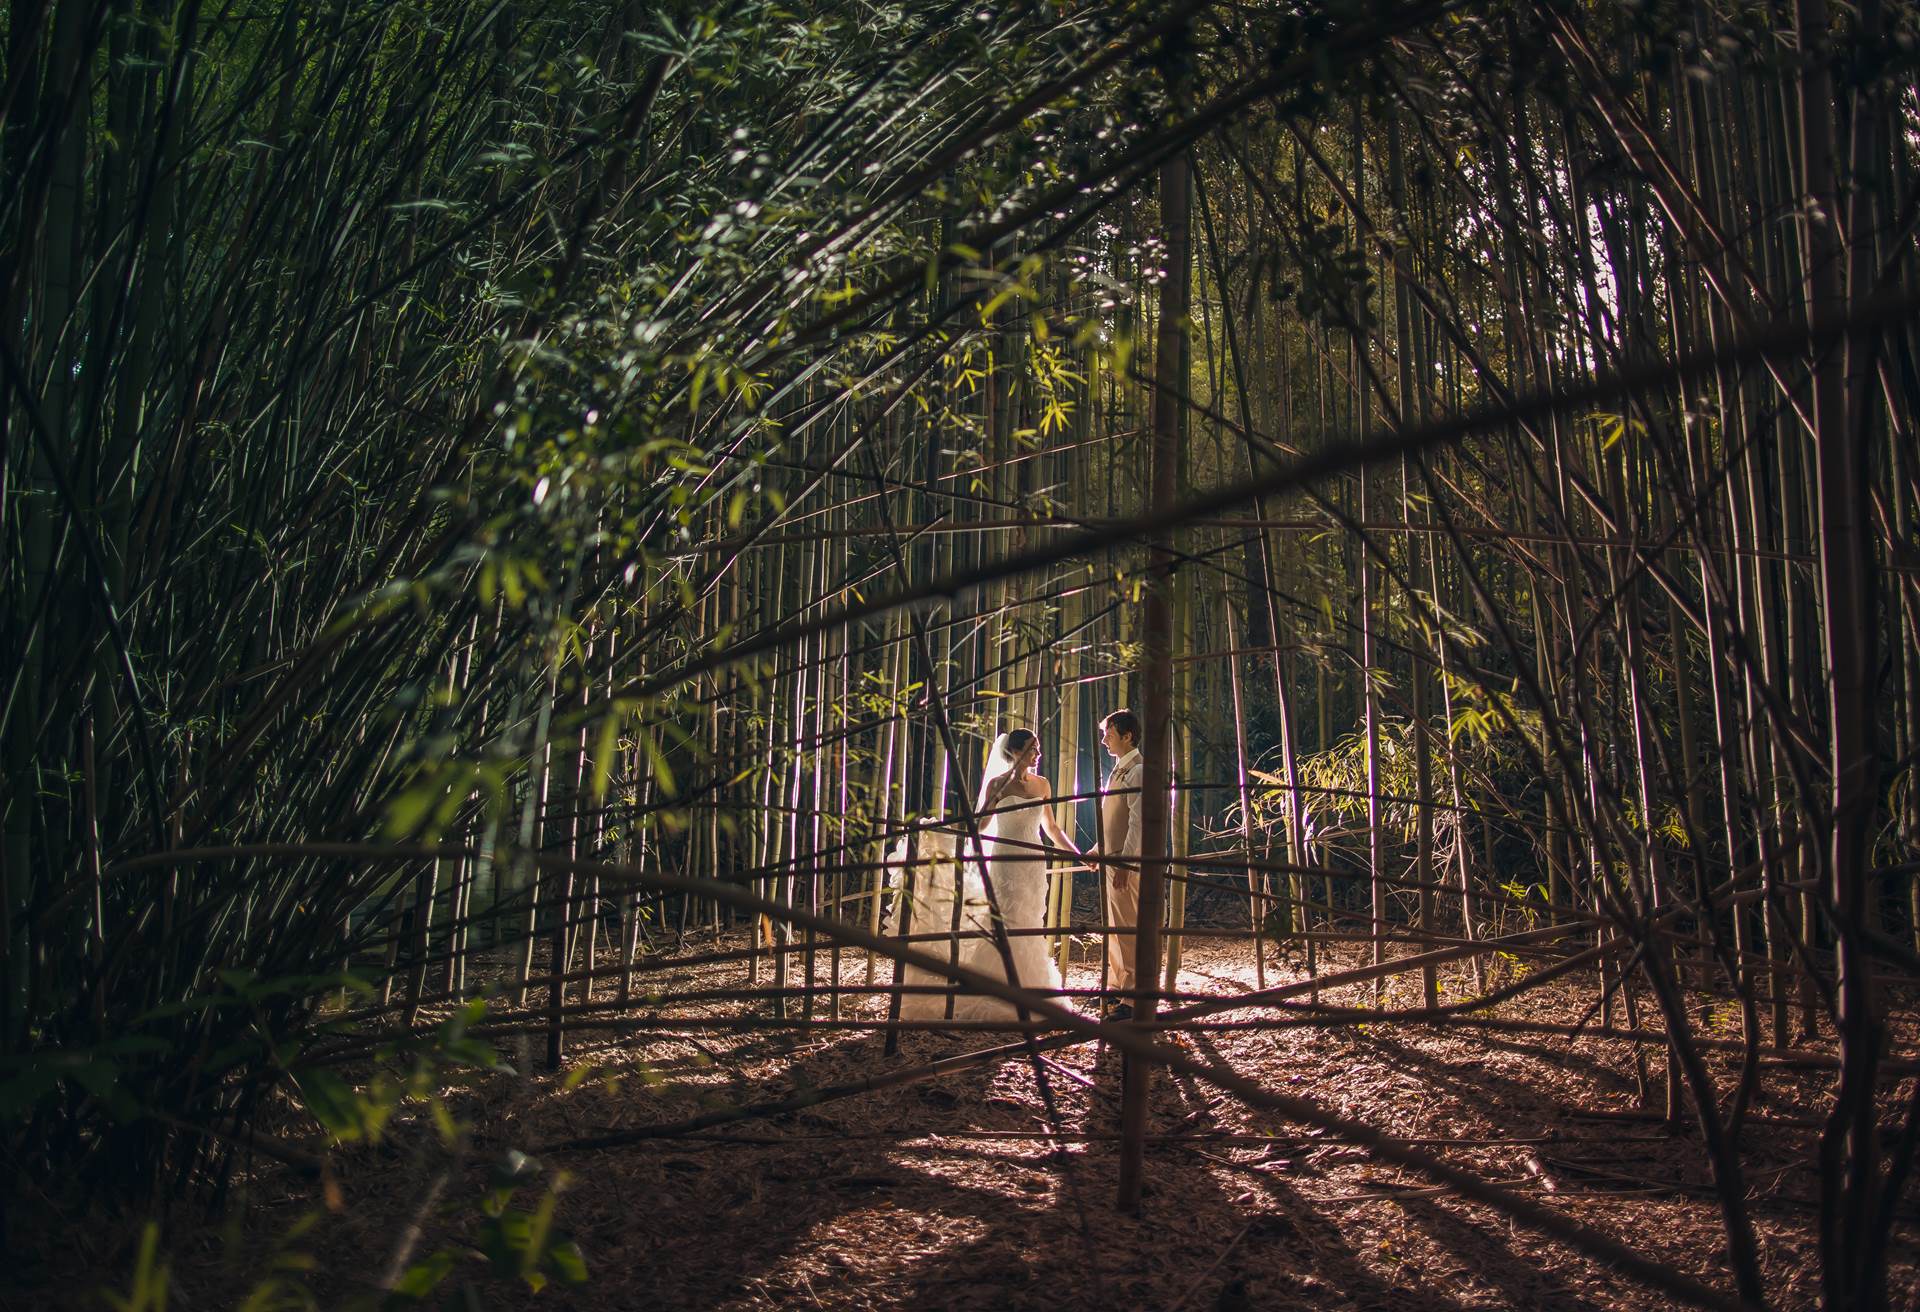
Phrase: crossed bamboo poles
x=1056 y=1026
x=1133 y=1041
x=1790 y=338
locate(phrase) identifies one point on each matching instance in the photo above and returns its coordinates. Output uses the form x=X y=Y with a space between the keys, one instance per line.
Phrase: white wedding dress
x=1010 y=835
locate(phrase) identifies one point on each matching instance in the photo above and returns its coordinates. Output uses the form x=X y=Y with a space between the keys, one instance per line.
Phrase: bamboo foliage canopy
x=479 y=478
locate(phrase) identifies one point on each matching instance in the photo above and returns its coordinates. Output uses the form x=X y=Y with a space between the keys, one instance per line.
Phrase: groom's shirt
x=1126 y=778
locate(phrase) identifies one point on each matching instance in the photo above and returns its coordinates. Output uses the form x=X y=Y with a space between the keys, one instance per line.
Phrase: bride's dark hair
x=1008 y=748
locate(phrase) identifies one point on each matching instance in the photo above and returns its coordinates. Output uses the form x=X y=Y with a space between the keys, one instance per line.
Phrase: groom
x=1120 y=838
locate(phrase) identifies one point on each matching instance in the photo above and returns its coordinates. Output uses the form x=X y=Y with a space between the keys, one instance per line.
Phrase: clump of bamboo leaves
x=369 y=372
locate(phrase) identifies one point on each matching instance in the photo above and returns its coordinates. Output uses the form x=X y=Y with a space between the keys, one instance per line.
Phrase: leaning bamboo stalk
x=1410 y=356
x=892 y=761
x=1067 y=755
x=533 y=821
x=1180 y=825
x=1850 y=1152
x=1246 y=810
x=1156 y=744
x=563 y=935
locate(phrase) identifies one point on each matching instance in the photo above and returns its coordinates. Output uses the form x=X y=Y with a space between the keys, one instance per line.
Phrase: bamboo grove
x=500 y=496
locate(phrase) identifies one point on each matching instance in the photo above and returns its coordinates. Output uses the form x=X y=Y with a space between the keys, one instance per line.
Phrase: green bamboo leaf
x=423 y=1277
x=604 y=745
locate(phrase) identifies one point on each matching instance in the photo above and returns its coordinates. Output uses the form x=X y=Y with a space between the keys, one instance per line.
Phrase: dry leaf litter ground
x=949 y=1194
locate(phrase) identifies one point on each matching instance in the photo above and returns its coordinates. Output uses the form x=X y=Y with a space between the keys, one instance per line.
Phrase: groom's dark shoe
x=1116 y=1010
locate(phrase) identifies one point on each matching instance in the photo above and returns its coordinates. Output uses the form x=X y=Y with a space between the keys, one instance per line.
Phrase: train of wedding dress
x=1010 y=837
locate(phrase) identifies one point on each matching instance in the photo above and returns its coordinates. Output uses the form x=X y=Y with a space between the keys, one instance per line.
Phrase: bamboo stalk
x=1156 y=740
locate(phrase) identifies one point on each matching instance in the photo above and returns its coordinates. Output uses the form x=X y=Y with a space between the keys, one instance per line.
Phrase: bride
x=1014 y=809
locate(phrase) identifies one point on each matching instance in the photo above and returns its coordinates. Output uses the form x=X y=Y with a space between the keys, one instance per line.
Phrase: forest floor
x=946 y=1193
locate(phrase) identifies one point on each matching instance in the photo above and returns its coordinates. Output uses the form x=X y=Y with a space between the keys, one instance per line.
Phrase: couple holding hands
x=1014 y=811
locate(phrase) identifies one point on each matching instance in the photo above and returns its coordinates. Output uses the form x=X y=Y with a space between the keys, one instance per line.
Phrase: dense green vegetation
x=472 y=468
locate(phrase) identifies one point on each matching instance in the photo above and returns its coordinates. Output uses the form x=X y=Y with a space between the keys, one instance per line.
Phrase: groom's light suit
x=1123 y=880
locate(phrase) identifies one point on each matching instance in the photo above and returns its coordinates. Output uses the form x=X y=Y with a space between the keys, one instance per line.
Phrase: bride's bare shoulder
x=1038 y=787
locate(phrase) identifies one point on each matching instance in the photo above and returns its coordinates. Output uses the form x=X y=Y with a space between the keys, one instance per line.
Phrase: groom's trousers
x=1122 y=883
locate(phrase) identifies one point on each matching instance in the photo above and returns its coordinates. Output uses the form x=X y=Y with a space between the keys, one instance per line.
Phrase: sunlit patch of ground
x=952 y=1193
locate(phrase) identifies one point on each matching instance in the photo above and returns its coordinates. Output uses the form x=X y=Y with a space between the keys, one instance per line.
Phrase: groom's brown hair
x=1123 y=721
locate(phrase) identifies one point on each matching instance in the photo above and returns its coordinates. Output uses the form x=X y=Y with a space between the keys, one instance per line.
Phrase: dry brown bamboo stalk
x=1895 y=1067
x=1381 y=529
